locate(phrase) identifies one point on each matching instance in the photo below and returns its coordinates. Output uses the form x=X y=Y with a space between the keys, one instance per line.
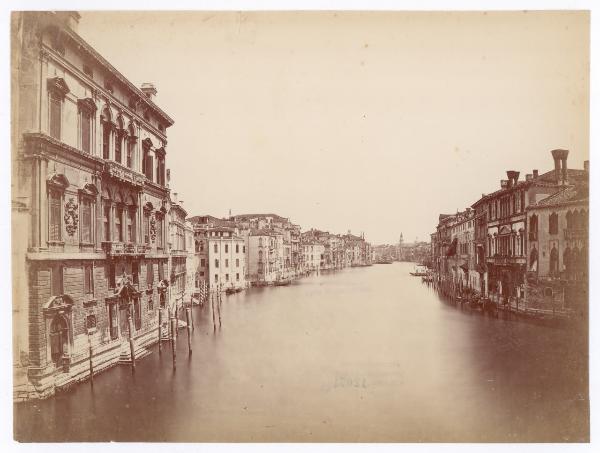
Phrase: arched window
x=59 y=338
x=107 y=126
x=553 y=223
x=533 y=259
x=131 y=216
x=131 y=141
x=567 y=260
x=569 y=217
x=533 y=227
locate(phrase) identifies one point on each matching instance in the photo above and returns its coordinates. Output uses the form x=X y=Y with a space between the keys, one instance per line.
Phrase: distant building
x=221 y=257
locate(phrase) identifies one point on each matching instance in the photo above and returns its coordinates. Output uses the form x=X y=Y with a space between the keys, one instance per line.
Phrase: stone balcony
x=505 y=260
x=115 y=248
x=123 y=174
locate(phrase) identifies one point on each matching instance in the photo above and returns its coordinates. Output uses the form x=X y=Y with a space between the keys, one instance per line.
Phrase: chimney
x=503 y=184
x=560 y=165
x=512 y=176
x=586 y=166
x=528 y=177
x=69 y=19
x=535 y=174
x=149 y=90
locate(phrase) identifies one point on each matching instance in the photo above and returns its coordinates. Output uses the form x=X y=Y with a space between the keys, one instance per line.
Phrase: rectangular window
x=237 y=277
x=226 y=248
x=118 y=224
x=55 y=114
x=88 y=279
x=111 y=275
x=86 y=221
x=237 y=248
x=216 y=278
x=237 y=262
x=161 y=270
x=202 y=262
x=216 y=263
x=149 y=275
x=54 y=216
x=216 y=248
x=86 y=131
x=112 y=321
x=56 y=282
x=244 y=248
x=135 y=272
x=106 y=221
x=149 y=168
x=226 y=263
x=226 y=277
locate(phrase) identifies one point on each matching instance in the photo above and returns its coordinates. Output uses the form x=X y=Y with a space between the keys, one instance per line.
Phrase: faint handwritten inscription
x=343 y=381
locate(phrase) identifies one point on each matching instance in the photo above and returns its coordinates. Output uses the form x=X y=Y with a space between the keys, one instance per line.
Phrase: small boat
x=229 y=291
x=283 y=282
x=384 y=261
x=420 y=271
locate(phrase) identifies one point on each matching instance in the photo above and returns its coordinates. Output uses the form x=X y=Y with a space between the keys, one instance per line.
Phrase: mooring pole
x=174 y=341
x=188 y=315
x=160 y=322
x=212 y=302
x=131 y=344
x=91 y=364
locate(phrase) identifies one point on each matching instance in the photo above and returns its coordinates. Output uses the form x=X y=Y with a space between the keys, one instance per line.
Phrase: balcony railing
x=571 y=233
x=115 y=248
x=124 y=174
x=506 y=259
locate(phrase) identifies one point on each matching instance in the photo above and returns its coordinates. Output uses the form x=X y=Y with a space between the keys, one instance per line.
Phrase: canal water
x=357 y=355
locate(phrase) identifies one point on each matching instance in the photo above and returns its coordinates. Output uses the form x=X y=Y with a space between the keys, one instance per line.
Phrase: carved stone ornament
x=71 y=216
x=152 y=227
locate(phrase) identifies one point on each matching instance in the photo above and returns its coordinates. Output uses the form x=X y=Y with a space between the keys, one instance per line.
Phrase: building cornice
x=99 y=91
x=91 y=52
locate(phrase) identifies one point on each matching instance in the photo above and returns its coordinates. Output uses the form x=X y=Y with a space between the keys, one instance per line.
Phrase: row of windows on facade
x=119 y=226
x=133 y=271
x=122 y=139
x=237 y=263
x=576 y=221
x=507 y=205
x=200 y=247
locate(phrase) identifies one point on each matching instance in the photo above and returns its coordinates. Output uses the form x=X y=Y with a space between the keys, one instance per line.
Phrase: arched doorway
x=59 y=339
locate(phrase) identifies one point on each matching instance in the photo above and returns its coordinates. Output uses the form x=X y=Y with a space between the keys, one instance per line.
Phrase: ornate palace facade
x=89 y=200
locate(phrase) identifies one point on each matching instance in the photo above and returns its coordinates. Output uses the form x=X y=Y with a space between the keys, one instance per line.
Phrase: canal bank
x=362 y=354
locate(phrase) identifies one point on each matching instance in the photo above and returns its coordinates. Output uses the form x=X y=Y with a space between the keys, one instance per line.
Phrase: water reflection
x=367 y=354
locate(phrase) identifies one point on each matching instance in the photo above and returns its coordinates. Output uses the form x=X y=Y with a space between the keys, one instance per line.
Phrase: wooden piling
x=188 y=317
x=91 y=363
x=213 y=311
x=174 y=341
x=160 y=323
x=131 y=344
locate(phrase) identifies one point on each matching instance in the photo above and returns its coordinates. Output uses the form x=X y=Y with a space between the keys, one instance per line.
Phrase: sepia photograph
x=299 y=226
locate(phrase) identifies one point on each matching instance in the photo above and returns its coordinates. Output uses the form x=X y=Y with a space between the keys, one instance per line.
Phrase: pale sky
x=373 y=122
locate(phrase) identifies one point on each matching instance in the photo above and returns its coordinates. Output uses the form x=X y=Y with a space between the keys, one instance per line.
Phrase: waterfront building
x=312 y=255
x=89 y=203
x=264 y=254
x=507 y=247
x=221 y=257
x=557 y=262
x=177 y=271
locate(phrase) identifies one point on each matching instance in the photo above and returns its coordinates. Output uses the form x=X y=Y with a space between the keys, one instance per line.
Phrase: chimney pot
x=149 y=90
x=528 y=177
x=535 y=174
